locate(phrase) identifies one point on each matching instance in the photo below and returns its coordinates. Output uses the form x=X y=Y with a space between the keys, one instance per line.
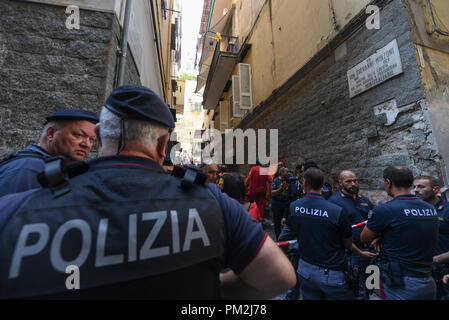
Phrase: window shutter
x=246 y=97
x=237 y=112
x=224 y=115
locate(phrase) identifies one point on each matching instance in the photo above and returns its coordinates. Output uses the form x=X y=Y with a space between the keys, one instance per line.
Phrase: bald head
x=345 y=173
x=349 y=183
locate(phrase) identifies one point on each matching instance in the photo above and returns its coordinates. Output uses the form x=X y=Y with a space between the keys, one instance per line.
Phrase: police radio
x=189 y=176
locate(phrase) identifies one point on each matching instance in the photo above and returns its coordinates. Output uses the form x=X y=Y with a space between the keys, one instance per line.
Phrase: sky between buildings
x=191 y=20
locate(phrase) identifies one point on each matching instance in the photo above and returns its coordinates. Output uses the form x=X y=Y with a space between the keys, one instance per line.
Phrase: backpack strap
x=23 y=154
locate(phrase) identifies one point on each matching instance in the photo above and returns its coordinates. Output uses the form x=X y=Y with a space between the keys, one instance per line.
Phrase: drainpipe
x=124 y=43
x=156 y=43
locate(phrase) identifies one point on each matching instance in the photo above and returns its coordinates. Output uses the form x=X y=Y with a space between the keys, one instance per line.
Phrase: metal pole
x=124 y=44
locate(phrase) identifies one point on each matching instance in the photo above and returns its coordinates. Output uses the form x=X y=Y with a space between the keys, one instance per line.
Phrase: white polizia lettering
x=312 y=211
x=22 y=250
x=55 y=250
x=194 y=231
x=420 y=212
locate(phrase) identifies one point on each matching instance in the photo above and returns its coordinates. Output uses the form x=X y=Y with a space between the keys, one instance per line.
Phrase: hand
x=376 y=244
x=446 y=278
x=436 y=260
x=283 y=221
x=367 y=255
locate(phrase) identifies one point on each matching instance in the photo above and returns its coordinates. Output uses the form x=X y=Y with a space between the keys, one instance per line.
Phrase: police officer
x=427 y=189
x=357 y=207
x=280 y=199
x=323 y=233
x=408 y=229
x=132 y=230
x=68 y=133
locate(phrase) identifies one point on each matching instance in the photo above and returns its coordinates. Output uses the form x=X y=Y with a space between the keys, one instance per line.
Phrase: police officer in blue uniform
x=358 y=208
x=427 y=189
x=68 y=133
x=296 y=192
x=280 y=199
x=323 y=233
x=132 y=230
x=408 y=230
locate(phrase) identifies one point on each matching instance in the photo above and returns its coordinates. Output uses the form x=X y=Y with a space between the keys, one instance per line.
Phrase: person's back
x=258 y=182
x=411 y=233
x=319 y=226
x=408 y=230
x=132 y=218
x=323 y=233
x=132 y=230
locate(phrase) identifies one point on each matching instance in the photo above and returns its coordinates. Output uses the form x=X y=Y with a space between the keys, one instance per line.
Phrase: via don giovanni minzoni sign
x=378 y=68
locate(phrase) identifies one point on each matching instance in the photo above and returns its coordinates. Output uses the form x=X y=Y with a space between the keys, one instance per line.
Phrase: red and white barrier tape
x=359 y=224
x=284 y=243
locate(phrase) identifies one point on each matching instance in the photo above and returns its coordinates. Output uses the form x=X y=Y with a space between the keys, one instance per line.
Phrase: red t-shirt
x=258 y=182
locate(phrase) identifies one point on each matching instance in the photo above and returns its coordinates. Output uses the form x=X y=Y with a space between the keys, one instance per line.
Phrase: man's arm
x=368 y=236
x=280 y=188
x=441 y=258
x=347 y=243
x=268 y=275
x=363 y=254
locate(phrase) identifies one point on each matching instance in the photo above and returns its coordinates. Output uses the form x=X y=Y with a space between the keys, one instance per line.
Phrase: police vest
x=116 y=225
x=24 y=154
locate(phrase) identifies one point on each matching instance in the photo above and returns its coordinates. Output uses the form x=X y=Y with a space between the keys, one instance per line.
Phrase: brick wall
x=45 y=67
x=318 y=121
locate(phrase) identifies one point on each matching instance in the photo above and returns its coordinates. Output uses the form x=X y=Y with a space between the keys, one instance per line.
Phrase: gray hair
x=136 y=130
x=57 y=124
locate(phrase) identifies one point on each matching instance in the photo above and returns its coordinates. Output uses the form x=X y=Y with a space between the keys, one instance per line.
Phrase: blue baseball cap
x=139 y=103
x=72 y=114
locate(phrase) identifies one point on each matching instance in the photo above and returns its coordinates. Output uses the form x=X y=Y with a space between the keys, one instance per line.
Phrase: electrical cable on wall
x=432 y=20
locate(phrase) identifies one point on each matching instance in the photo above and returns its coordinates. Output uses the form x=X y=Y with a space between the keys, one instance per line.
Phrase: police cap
x=139 y=103
x=72 y=114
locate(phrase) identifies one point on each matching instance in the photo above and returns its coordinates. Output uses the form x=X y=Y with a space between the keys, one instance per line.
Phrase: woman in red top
x=234 y=187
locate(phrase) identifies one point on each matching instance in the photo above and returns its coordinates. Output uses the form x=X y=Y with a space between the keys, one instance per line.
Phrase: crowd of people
x=136 y=226
x=408 y=237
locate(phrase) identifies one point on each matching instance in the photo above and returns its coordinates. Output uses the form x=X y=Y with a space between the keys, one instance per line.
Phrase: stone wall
x=318 y=121
x=45 y=67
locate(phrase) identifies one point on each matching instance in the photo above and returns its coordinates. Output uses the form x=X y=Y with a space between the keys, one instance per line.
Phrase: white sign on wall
x=378 y=68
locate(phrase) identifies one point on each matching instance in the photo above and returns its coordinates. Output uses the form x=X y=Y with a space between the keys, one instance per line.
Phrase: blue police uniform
x=292 y=253
x=326 y=190
x=295 y=191
x=320 y=227
x=279 y=204
x=442 y=208
x=19 y=172
x=358 y=210
x=148 y=238
x=409 y=228
x=131 y=229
